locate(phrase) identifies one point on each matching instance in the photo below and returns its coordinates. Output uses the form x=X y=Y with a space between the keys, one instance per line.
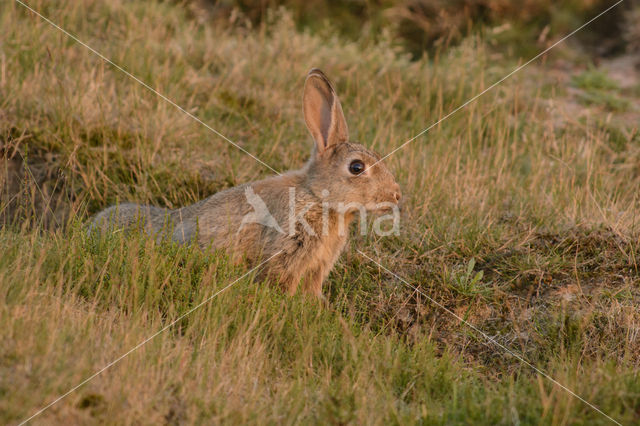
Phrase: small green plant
x=594 y=79
x=610 y=101
x=468 y=283
x=599 y=89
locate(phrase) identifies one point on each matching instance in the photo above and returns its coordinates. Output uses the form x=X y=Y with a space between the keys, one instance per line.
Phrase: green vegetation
x=519 y=216
x=594 y=79
x=599 y=89
x=432 y=25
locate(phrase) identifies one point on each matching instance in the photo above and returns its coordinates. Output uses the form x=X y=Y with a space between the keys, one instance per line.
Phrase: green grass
x=594 y=79
x=519 y=216
x=599 y=89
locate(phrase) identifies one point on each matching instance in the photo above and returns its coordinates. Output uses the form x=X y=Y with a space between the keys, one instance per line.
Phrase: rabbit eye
x=356 y=167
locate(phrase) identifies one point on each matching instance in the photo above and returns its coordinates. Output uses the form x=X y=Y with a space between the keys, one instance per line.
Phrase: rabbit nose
x=396 y=192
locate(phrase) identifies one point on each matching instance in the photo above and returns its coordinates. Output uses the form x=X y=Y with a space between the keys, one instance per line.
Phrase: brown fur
x=217 y=221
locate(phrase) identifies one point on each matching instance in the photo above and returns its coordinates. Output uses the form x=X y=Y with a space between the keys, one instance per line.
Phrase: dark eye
x=356 y=167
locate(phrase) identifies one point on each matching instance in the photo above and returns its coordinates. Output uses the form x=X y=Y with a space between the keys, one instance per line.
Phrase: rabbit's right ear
x=323 y=112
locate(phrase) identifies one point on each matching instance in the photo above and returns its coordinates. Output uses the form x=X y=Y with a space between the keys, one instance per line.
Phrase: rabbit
x=315 y=203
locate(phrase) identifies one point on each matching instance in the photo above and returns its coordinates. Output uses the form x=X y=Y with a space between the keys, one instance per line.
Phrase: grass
x=520 y=217
x=599 y=89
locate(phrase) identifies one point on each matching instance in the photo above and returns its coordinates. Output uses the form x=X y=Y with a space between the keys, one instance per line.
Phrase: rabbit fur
x=307 y=248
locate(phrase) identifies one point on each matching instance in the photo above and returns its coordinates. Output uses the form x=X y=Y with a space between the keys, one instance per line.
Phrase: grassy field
x=520 y=216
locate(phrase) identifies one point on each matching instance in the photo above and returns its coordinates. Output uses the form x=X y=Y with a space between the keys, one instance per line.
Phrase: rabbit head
x=344 y=174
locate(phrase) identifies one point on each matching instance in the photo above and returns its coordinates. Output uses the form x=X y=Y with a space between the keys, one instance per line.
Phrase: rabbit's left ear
x=323 y=112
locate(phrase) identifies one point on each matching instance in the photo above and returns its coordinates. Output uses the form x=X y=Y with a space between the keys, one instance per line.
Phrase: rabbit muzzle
x=395 y=195
x=388 y=201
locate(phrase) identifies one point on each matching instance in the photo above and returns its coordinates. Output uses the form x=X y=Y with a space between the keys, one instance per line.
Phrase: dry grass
x=535 y=185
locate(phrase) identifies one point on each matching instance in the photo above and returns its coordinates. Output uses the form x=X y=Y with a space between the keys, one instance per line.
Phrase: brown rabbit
x=301 y=215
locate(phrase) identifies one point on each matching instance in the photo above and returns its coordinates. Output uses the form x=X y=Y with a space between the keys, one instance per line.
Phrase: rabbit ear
x=323 y=112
